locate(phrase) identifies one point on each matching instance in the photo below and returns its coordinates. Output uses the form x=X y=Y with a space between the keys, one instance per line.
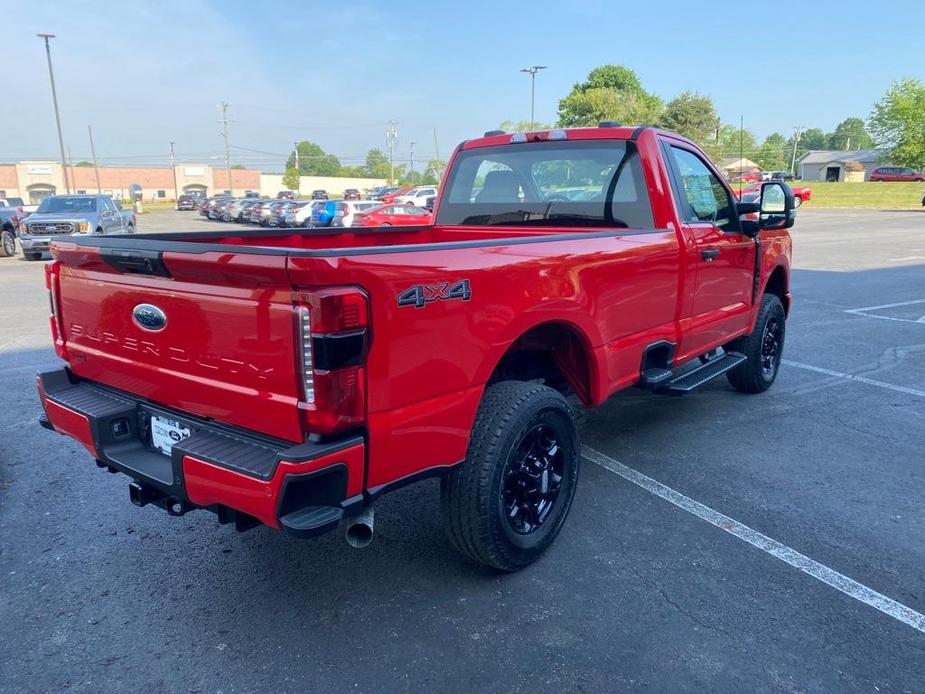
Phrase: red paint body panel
x=70 y=423
x=208 y=484
x=230 y=349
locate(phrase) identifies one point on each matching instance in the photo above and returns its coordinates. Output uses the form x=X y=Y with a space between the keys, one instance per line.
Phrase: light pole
x=173 y=167
x=532 y=72
x=411 y=164
x=391 y=137
x=54 y=99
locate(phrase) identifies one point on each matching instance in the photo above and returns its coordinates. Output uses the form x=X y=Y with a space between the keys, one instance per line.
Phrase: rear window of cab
x=589 y=183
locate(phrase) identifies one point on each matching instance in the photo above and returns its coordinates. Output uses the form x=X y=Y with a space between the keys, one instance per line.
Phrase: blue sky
x=146 y=73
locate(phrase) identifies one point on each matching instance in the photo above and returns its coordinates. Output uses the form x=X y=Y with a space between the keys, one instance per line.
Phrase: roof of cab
x=607 y=130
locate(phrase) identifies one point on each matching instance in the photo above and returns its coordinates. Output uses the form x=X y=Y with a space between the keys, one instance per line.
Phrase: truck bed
x=326 y=240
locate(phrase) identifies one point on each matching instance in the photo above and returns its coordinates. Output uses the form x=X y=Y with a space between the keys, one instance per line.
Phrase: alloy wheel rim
x=532 y=480
x=770 y=347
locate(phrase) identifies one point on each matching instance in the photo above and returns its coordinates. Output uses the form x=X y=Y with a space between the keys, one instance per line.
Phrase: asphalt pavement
x=653 y=584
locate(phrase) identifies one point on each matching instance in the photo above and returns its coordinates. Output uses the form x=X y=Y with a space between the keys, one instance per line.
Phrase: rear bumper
x=304 y=489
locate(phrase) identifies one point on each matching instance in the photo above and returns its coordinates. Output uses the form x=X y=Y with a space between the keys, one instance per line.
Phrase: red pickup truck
x=290 y=379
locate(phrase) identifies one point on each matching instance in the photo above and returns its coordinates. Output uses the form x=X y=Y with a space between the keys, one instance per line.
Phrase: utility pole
x=437 y=156
x=532 y=72
x=96 y=169
x=411 y=164
x=391 y=137
x=71 y=161
x=54 y=99
x=298 y=172
x=173 y=167
x=796 y=140
x=224 y=107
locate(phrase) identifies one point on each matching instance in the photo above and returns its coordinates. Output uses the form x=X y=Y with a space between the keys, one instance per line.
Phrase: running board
x=689 y=381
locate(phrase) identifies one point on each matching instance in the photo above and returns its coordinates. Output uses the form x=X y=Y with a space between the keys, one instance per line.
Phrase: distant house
x=732 y=166
x=838 y=165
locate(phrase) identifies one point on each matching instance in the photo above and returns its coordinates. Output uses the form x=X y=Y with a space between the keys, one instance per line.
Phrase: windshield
x=66 y=204
x=589 y=183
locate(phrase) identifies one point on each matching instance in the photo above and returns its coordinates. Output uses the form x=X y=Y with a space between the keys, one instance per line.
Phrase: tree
x=291 y=178
x=611 y=92
x=238 y=166
x=84 y=163
x=522 y=126
x=729 y=141
x=692 y=115
x=898 y=123
x=773 y=155
x=433 y=172
x=377 y=164
x=313 y=161
x=851 y=133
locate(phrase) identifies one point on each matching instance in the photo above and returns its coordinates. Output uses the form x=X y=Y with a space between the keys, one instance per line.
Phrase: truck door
x=723 y=257
x=109 y=220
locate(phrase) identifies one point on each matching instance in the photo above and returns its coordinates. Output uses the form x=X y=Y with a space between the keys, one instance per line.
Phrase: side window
x=105 y=205
x=704 y=197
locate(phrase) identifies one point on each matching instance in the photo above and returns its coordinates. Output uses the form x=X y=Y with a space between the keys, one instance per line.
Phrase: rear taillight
x=54 y=318
x=333 y=338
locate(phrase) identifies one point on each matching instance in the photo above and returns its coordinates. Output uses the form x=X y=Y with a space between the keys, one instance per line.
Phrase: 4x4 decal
x=423 y=294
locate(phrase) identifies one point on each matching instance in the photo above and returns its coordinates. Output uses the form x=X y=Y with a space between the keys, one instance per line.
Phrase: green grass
x=883 y=196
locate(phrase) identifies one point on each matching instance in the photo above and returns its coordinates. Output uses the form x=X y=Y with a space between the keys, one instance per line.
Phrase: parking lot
x=718 y=542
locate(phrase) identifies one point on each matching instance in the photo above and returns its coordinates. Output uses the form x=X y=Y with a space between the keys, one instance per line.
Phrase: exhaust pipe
x=360 y=529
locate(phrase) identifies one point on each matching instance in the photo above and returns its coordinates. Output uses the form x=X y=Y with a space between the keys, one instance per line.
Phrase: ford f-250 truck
x=292 y=378
x=59 y=215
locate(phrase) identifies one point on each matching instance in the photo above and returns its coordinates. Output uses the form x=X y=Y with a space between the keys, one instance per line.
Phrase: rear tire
x=7 y=243
x=504 y=505
x=31 y=256
x=764 y=347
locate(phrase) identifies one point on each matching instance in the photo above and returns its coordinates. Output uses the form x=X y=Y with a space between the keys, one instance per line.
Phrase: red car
x=389 y=198
x=291 y=378
x=392 y=216
x=800 y=193
x=896 y=173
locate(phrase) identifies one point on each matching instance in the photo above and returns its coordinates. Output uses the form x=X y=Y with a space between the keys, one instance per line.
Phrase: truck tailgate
x=227 y=350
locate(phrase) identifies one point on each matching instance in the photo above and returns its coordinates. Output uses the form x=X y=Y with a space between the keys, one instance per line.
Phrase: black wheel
x=7 y=243
x=130 y=229
x=31 y=256
x=764 y=348
x=505 y=504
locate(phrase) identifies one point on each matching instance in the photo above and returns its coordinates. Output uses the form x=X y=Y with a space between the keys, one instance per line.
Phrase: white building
x=838 y=165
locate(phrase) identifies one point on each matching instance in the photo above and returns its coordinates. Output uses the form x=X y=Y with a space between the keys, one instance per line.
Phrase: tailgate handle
x=136 y=262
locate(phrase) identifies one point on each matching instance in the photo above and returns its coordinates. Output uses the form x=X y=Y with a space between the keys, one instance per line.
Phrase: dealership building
x=35 y=180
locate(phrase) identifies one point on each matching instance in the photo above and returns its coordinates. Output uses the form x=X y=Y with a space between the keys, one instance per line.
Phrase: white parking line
x=859 y=379
x=786 y=554
x=864 y=311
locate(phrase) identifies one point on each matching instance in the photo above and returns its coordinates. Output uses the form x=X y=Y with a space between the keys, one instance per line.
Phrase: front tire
x=7 y=243
x=505 y=504
x=764 y=347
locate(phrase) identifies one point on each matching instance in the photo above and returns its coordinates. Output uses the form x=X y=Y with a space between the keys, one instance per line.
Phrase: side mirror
x=776 y=210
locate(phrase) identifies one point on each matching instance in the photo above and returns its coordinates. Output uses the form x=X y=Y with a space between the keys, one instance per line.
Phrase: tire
x=493 y=506
x=7 y=244
x=764 y=347
x=130 y=229
x=31 y=256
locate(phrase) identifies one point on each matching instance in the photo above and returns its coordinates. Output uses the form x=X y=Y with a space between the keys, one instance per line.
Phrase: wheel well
x=777 y=285
x=553 y=353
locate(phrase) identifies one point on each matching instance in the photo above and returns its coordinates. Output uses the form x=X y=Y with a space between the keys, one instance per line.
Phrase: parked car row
x=313 y=213
x=394 y=206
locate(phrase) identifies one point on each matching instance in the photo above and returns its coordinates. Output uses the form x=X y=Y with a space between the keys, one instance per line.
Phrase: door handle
x=709 y=253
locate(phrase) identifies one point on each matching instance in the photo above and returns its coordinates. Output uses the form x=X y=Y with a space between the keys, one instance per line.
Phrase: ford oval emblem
x=149 y=317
